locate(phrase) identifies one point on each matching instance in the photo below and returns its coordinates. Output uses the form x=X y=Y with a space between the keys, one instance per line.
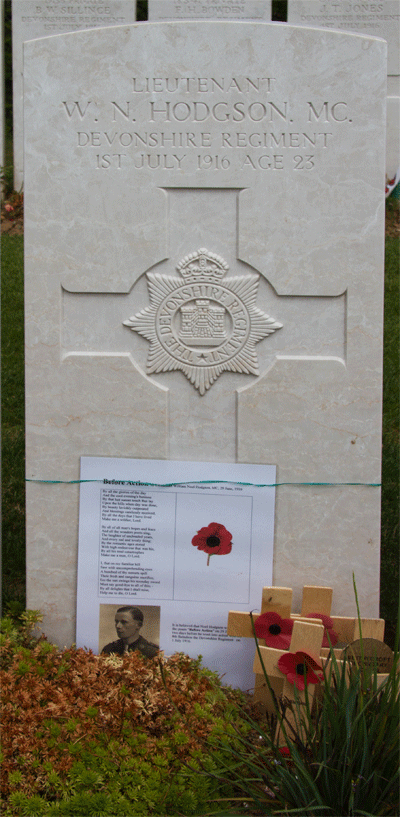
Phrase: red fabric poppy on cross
x=275 y=631
x=330 y=637
x=215 y=539
x=300 y=669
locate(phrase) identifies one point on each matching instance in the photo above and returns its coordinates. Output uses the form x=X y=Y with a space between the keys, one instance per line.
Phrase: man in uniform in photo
x=128 y=622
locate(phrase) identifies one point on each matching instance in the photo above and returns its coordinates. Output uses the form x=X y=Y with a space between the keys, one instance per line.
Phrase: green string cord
x=205 y=482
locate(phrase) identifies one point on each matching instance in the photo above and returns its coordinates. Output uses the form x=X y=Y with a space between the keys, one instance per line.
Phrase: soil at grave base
x=12 y=216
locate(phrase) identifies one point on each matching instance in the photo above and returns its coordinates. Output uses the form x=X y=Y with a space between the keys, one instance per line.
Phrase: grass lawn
x=13 y=495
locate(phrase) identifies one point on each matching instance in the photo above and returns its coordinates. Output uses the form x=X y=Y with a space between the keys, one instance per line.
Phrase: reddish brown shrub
x=54 y=703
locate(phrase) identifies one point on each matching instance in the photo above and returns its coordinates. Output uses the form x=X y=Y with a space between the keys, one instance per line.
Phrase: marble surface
x=393 y=136
x=31 y=20
x=242 y=147
x=380 y=19
x=166 y=10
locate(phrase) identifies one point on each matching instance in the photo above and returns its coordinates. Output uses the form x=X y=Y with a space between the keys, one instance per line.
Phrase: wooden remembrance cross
x=306 y=637
x=277 y=600
x=314 y=600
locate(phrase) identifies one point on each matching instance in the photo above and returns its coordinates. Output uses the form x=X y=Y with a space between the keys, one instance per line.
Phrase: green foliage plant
x=107 y=735
x=7 y=180
x=340 y=758
x=19 y=632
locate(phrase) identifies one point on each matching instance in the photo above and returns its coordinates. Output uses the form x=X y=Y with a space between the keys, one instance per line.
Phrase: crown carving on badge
x=202 y=266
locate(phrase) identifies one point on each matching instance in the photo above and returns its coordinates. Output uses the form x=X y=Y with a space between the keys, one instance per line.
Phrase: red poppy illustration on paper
x=275 y=631
x=330 y=636
x=300 y=669
x=215 y=539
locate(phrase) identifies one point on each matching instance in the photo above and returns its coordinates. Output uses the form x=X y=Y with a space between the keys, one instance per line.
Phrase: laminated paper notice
x=184 y=554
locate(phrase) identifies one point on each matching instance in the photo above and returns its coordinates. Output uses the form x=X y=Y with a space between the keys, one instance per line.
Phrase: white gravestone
x=378 y=19
x=162 y=10
x=204 y=268
x=32 y=19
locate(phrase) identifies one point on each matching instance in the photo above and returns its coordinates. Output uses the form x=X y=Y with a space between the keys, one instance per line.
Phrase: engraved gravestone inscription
x=378 y=19
x=202 y=282
x=32 y=19
x=163 y=10
x=201 y=324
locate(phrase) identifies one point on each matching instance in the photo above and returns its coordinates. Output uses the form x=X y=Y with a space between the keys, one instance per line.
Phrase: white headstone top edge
x=213 y=23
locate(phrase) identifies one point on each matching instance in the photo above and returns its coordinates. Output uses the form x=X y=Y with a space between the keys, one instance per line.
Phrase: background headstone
x=393 y=133
x=163 y=10
x=258 y=156
x=32 y=19
x=381 y=19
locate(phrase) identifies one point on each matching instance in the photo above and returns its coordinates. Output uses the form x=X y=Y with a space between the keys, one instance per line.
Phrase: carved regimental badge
x=201 y=324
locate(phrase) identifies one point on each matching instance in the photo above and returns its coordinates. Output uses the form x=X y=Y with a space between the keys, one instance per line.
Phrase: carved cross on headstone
x=204 y=313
